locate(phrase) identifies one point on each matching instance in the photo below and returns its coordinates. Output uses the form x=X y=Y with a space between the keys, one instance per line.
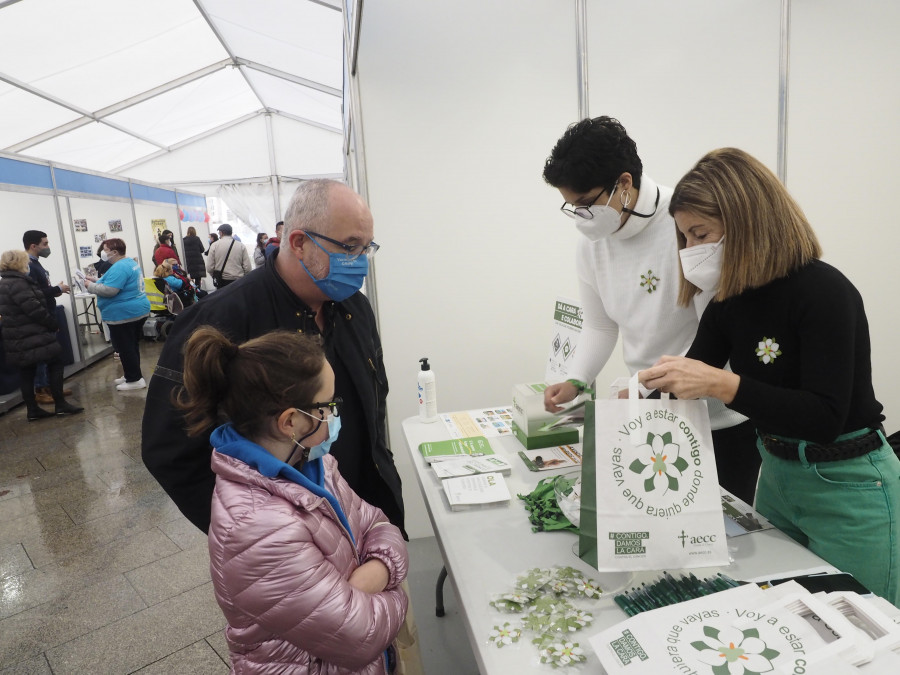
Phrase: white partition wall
x=683 y=80
x=33 y=209
x=462 y=101
x=150 y=220
x=24 y=211
x=686 y=77
x=843 y=143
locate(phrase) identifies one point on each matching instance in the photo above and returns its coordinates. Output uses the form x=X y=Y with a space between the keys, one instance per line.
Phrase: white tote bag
x=658 y=504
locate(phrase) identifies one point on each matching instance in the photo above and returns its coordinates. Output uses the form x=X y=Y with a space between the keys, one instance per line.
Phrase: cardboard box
x=528 y=407
x=545 y=439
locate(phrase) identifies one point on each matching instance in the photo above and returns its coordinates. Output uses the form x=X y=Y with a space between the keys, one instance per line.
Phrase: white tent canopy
x=193 y=94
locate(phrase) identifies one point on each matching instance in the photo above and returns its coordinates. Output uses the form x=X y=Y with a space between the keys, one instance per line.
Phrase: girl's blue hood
x=228 y=441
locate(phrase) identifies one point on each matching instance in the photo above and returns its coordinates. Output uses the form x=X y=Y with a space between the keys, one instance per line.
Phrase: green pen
x=666 y=592
x=625 y=605
x=641 y=600
x=728 y=580
x=656 y=600
x=675 y=590
x=637 y=600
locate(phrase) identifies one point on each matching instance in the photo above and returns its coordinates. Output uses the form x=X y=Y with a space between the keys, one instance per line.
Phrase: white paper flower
x=563 y=654
x=768 y=350
x=504 y=635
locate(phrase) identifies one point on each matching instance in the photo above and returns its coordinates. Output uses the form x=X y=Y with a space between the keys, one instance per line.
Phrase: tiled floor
x=100 y=573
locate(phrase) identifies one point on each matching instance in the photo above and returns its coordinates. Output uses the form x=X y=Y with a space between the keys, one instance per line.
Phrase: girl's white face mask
x=702 y=264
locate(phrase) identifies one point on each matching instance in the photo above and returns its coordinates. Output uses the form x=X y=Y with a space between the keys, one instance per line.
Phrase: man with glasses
x=310 y=285
x=629 y=275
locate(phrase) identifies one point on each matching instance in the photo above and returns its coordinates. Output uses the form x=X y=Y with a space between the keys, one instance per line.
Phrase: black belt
x=829 y=452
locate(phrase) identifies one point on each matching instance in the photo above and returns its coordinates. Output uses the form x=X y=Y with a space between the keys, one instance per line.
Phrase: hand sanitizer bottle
x=427 y=393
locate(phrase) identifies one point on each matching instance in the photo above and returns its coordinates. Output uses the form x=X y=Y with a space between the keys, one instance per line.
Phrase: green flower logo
x=649 y=281
x=735 y=652
x=767 y=350
x=664 y=461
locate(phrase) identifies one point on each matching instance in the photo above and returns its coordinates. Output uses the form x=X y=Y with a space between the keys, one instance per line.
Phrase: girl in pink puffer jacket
x=307 y=574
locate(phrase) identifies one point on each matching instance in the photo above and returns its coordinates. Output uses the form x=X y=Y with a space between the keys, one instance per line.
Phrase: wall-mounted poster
x=85 y=252
x=80 y=225
x=115 y=225
x=157 y=225
x=99 y=237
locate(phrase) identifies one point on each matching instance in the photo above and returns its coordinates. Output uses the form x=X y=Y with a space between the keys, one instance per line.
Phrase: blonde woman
x=795 y=332
x=28 y=331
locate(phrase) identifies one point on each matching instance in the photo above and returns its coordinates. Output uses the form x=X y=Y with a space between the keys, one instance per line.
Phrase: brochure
x=484 y=422
x=482 y=489
x=78 y=281
x=566 y=328
x=450 y=468
x=740 y=518
x=473 y=446
x=560 y=457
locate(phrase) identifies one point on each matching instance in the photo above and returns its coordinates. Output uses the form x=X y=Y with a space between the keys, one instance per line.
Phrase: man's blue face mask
x=344 y=277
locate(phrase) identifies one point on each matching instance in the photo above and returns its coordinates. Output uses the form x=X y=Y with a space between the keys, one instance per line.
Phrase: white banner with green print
x=650 y=493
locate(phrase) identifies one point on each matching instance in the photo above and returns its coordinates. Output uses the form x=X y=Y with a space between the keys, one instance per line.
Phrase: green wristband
x=582 y=387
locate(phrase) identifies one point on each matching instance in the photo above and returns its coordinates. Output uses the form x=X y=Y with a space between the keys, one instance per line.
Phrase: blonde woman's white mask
x=702 y=264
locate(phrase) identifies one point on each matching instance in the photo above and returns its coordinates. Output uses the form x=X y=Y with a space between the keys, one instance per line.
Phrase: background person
x=124 y=307
x=228 y=256
x=28 y=330
x=629 y=275
x=165 y=247
x=37 y=246
x=308 y=546
x=169 y=272
x=193 y=256
x=259 y=251
x=275 y=241
x=213 y=237
x=795 y=331
x=101 y=265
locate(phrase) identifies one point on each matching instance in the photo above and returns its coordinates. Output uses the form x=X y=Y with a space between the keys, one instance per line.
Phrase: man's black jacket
x=257 y=304
x=37 y=272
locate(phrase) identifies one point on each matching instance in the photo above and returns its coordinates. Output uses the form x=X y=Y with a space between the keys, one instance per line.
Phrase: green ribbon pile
x=543 y=510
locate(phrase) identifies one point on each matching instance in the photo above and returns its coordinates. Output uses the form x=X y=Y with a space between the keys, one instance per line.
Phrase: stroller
x=165 y=305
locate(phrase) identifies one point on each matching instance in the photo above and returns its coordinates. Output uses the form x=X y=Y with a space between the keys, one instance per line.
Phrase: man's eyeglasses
x=352 y=251
x=582 y=211
x=332 y=406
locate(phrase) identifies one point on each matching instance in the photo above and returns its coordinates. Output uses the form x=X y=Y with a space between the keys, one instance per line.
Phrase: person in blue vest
x=124 y=307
